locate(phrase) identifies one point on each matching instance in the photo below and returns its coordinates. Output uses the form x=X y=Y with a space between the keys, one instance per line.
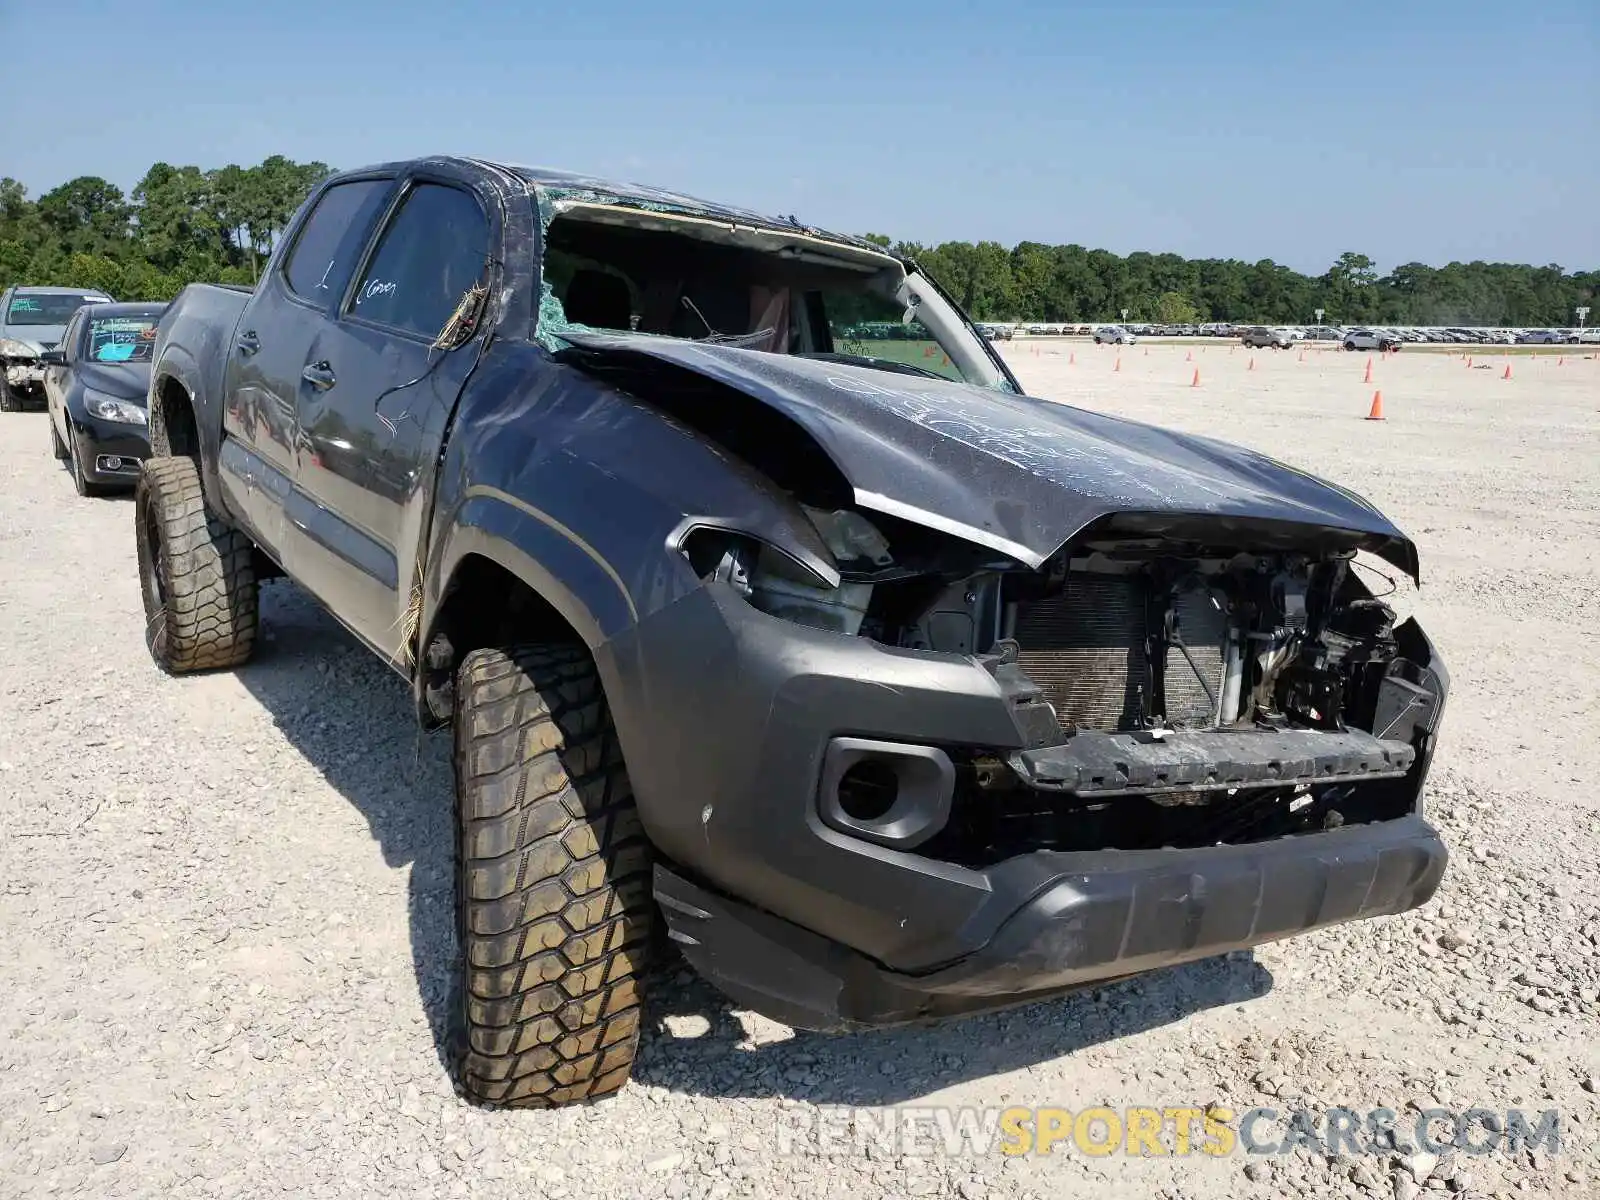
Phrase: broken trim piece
x=1096 y=764
x=968 y=533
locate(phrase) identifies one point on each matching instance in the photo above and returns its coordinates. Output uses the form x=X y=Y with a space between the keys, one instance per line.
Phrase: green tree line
x=177 y=226
x=182 y=224
x=1033 y=281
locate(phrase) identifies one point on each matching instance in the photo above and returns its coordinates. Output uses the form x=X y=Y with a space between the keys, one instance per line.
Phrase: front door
x=270 y=345
x=378 y=392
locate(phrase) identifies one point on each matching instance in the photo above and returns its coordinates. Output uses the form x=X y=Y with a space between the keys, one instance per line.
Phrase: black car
x=94 y=385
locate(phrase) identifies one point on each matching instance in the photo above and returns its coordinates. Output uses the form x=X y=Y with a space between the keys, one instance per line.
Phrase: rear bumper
x=1096 y=916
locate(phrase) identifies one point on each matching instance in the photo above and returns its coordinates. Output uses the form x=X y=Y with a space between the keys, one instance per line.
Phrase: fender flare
x=179 y=366
x=551 y=559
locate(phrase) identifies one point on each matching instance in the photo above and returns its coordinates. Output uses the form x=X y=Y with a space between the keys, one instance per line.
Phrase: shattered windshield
x=609 y=268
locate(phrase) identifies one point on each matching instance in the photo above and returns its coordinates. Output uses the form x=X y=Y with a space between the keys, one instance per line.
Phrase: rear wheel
x=10 y=401
x=553 y=870
x=196 y=572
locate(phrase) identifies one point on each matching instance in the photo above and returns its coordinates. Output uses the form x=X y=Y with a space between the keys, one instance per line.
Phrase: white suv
x=1370 y=339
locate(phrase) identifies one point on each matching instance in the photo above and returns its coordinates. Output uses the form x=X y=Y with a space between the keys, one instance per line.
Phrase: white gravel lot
x=225 y=901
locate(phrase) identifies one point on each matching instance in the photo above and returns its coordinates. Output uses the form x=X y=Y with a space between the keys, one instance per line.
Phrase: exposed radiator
x=1085 y=648
x=1203 y=628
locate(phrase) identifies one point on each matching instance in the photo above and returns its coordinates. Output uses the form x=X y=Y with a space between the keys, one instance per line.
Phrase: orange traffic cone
x=1118 y=365
x=1469 y=362
x=1507 y=375
x=927 y=352
x=1252 y=365
x=1377 y=407
x=1195 y=382
x=1560 y=358
x=1188 y=356
x=1368 y=379
x=1072 y=358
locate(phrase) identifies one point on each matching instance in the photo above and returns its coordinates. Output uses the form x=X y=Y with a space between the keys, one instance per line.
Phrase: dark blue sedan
x=95 y=385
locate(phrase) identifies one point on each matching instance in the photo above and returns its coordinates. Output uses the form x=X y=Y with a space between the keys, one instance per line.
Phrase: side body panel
x=192 y=351
x=580 y=489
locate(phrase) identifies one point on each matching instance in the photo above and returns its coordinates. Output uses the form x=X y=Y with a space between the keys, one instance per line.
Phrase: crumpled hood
x=125 y=381
x=35 y=337
x=1018 y=474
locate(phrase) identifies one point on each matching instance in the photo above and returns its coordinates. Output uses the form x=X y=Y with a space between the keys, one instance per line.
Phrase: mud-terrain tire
x=553 y=875
x=195 y=571
x=57 y=447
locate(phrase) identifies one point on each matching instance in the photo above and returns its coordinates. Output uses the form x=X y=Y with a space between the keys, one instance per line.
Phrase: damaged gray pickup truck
x=773 y=619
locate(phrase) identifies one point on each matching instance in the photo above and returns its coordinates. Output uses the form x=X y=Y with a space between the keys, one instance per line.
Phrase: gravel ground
x=225 y=900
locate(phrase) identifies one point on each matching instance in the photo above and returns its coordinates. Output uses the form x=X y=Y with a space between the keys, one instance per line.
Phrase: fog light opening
x=886 y=792
x=868 y=790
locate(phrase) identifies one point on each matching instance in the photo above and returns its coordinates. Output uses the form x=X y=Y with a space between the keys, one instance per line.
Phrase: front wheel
x=58 y=448
x=196 y=572
x=553 y=874
x=80 y=481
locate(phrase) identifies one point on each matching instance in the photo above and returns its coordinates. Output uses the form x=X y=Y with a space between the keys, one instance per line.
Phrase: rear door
x=381 y=394
x=297 y=297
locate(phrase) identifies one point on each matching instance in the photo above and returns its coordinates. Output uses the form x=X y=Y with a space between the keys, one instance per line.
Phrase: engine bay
x=1174 y=690
x=1119 y=634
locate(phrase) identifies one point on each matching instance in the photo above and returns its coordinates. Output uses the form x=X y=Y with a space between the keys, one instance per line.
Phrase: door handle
x=248 y=342
x=319 y=375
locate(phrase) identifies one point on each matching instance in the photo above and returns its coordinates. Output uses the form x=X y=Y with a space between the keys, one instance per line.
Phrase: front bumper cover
x=1097 y=916
x=726 y=715
x=99 y=438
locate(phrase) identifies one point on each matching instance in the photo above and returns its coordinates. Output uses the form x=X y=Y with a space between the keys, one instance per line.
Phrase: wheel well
x=485 y=605
x=174 y=431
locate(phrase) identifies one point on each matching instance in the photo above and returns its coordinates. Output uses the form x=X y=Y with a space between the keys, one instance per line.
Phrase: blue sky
x=1429 y=131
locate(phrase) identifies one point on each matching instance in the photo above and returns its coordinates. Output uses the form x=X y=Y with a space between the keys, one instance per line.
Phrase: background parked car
x=32 y=320
x=95 y=385
x=1370 y=339
x=1116 y=335
x=1262 y=336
